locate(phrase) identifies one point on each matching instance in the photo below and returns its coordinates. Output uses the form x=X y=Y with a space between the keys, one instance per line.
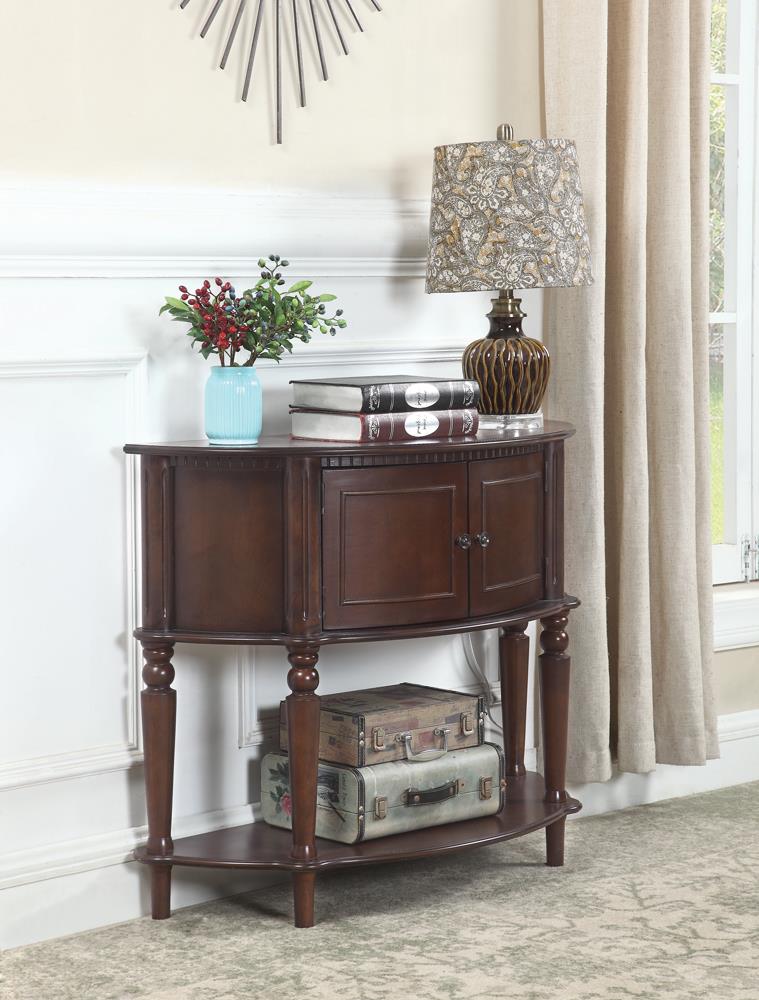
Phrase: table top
x=284 y=444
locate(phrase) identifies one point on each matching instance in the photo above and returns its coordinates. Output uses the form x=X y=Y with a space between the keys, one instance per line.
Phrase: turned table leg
x=554 y=703
x=514 y=653
x=303 y=746
x=159 y=710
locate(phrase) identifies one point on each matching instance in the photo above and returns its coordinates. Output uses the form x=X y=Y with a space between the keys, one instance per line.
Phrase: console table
x=352 y=543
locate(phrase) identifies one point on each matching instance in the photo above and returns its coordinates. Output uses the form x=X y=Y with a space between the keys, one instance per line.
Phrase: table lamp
x=507 y=214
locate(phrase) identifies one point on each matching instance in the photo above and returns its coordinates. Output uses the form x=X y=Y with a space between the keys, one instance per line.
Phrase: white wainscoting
x=82 y=274
x=74 y=603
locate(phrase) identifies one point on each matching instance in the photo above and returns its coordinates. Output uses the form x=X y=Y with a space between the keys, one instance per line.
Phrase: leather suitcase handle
x=423 y=755
x=417 y=797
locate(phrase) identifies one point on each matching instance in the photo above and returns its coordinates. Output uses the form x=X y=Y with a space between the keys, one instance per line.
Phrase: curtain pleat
x=631 y=372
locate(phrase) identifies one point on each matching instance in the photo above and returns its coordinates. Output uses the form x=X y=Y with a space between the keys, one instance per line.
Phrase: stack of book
x=383 y=408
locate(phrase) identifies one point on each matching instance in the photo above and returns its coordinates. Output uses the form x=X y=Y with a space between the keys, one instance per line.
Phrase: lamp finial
x=505 y=132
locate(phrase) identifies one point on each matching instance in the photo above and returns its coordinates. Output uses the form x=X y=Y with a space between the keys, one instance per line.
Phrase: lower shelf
x=258 y=846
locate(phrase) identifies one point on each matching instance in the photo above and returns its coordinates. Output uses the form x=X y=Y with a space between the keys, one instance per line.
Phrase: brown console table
x=301 y=544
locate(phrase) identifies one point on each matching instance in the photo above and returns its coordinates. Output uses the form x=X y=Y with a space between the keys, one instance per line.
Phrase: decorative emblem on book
x=373 y=397
x=422 y=395
x=469 y=393
x=421 y=424
x=373 y=428
x=336 y=17
x=468 y=422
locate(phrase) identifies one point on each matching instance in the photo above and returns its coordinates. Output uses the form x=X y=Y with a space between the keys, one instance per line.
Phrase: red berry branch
x=262 y=321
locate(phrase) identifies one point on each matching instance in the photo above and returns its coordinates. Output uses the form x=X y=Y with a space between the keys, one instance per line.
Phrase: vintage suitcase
x=364 y=803
x=399 y=722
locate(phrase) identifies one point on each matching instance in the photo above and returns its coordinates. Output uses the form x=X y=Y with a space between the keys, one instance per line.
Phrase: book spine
x=406 y=397
x=416 y=425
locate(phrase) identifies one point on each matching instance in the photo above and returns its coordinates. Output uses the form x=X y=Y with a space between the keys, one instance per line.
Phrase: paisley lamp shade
x=507 y=214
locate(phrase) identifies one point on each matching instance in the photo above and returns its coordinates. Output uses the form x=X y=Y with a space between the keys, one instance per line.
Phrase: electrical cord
x=480 y=676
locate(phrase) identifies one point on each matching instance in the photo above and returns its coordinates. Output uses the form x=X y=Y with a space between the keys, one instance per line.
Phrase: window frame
x=741 y=439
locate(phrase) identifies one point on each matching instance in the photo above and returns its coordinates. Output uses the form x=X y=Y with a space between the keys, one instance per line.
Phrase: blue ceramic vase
x=234 y=409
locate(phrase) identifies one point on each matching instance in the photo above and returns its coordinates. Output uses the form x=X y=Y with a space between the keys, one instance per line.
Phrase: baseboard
x=53 y=861
x=738 y=763
x=65 y=888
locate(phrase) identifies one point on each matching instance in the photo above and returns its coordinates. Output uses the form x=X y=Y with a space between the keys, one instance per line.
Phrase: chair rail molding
x=121 y=755
x=67 y=230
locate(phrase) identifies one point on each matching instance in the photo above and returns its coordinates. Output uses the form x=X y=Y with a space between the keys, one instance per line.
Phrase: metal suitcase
x=355 y=804
x=398 y=722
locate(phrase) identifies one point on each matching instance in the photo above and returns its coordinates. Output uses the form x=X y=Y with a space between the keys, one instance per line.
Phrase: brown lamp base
x=511 y=370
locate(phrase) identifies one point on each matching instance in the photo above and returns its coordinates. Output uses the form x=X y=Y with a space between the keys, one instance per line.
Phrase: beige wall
x=737 y=676
x=126 y=92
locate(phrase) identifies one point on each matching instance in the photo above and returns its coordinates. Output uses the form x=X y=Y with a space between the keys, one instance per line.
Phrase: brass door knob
x=464 y=541
x=482 y=538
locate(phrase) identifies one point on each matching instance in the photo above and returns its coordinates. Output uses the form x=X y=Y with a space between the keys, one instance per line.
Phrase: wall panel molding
x=67 y=231
x=118 y=756
x=254 y=727
x=365 y=355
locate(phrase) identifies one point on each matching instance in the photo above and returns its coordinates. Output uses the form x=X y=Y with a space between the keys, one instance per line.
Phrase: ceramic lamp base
x=512 y=370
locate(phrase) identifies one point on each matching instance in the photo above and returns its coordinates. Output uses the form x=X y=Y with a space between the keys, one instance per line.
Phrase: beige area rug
x=659 y=902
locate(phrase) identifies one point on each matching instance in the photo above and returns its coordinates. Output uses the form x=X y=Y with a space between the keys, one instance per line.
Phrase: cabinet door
x=506 y=504
x=389 y=545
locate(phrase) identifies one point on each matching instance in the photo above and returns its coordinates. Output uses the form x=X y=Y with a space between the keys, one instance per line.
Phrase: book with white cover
x=328 y=426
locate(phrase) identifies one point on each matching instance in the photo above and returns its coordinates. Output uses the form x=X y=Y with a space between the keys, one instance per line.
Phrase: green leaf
x=326 y=297
x=299 y=286
x=178 y=304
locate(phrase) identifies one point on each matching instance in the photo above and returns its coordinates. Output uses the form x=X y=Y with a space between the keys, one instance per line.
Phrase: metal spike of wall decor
x=286 y=19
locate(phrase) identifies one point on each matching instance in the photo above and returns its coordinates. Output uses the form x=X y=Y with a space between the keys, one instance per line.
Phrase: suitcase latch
x=486 y=788
x=378 y=739
x=380 y=807
x=467 y=723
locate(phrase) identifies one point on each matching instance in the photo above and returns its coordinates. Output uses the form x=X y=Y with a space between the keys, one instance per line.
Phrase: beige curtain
x=628 y=80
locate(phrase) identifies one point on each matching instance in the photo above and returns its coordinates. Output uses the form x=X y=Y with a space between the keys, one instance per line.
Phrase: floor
x=660 y=901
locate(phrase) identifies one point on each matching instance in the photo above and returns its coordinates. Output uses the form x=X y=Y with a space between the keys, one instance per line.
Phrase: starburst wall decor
x=287 y=19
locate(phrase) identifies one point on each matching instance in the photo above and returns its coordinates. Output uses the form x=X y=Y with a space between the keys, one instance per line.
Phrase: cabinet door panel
x=506 y=502
x=390 y=556
x=228 y=550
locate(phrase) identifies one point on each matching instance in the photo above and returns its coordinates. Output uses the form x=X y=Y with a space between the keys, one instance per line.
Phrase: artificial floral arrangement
x=262 y=321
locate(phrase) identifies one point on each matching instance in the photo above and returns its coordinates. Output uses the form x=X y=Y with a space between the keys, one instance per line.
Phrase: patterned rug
x=655 y=903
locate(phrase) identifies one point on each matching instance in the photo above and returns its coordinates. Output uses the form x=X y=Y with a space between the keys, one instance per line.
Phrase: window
x=733 y=378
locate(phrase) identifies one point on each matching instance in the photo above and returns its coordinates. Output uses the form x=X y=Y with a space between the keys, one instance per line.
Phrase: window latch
x=750 y=559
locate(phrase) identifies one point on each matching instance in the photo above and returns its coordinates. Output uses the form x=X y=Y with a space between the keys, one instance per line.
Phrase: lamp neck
x=506 y=316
